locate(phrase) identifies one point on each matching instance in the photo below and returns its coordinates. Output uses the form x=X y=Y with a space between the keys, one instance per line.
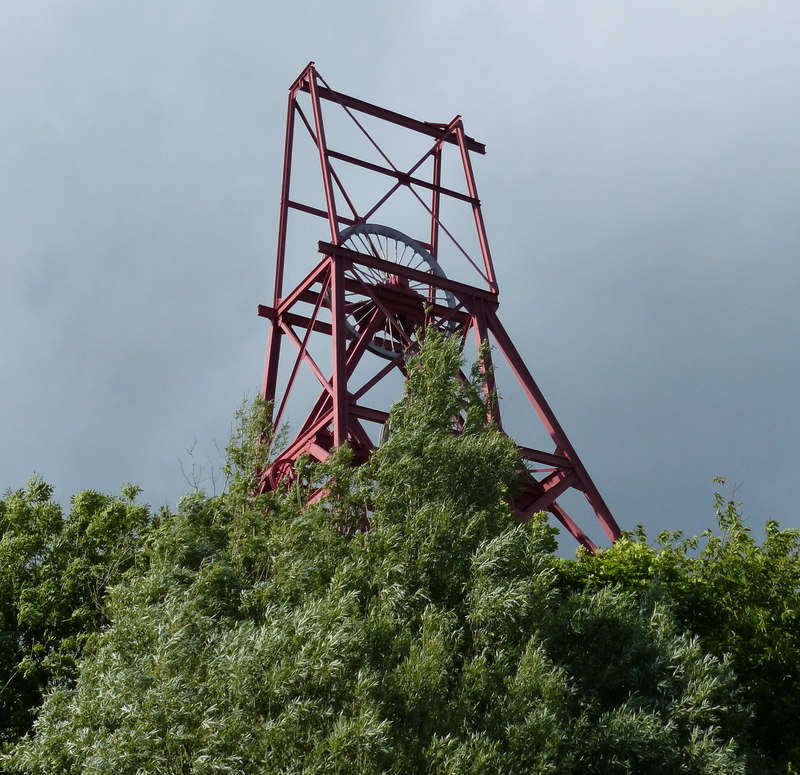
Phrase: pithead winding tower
x=404 y=246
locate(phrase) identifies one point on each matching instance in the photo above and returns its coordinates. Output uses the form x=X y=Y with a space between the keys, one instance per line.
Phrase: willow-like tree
x=268 y=635
x=55 y=569
x=739 y=596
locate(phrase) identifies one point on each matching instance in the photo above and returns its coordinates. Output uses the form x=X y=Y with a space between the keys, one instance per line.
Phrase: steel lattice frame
x=361 y=303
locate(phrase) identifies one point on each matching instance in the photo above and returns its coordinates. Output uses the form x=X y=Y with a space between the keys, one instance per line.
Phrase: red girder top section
x=309 y=76
x=395 y=256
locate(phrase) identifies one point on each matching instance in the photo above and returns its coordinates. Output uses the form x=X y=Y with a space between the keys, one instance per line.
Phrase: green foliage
x=266 y=635
x=740 y=597
x=55 y=572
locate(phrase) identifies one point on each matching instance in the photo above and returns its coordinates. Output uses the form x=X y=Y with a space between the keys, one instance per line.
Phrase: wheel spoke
x=394 y=247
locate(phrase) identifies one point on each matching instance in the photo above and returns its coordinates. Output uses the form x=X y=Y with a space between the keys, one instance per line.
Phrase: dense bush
x=269 y=635
x=739 y=597
x=56 y=569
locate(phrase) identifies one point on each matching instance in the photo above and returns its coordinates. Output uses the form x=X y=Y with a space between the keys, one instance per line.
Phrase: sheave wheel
x=390 y=245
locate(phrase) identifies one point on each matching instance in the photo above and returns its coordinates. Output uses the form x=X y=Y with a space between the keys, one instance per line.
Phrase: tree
x=267 y=634
x=739 y=597
x=56 y=570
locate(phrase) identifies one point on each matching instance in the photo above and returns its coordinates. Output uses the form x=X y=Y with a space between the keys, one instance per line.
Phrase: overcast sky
x=640 y=189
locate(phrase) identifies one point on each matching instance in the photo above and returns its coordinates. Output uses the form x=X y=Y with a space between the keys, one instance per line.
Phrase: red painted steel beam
x=339 y=380
x=402 y=177
x=572 y=527
x=334 y=176
x=556 y=432
x=411 y=304
x=319 y=273
x=312 y=364
x=271 y=369
x=481 y=333
x=322 y=145
x=551 y=487
x=436 y=200
x=285 y=186
x=545 y=458
x=476 y=207
x=461 y=290
x=300 y=445
x=321 y=409
x=365 y=413
x=376 y=378
x=320 y=213
x=423 y=127
x=293 y=319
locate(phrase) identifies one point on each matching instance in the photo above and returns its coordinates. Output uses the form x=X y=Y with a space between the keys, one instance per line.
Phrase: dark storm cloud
x=640 y=188
x=666 y=216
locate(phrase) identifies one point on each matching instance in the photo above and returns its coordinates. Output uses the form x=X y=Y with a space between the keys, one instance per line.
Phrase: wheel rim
x=390 y=245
